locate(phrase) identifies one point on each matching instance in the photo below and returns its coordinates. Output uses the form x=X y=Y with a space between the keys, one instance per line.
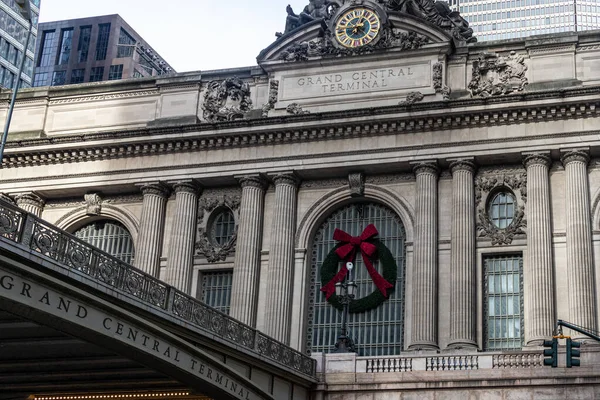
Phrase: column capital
x=286 y=178
x=425 y=167
x=572 y=155
x=537 y=158
x=462 y=164
x=30 y=199
x=155 y=188
x=256 y=180
x=186 y=186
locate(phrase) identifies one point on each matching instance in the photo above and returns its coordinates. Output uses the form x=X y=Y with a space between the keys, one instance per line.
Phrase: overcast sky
x=190 y=35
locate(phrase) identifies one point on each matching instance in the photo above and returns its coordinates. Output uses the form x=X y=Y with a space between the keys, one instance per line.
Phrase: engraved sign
x=395 y=77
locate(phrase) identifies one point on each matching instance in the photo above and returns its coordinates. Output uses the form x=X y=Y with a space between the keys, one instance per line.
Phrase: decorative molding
x=256 y=181
x=323 y=183
x=156 y=189
x=438 y=81
x=209 y=206
x=295 y=109
x=426 y=167
x=29 y=199
x=288 y=178
x=462 y=165
x=489 y=182
x=575 y=156
x=273 y=93
x=226 y=100
x=537 y=158
x=552 y=49
x=390 y=178
x=186 y=187
x=412 y=98
x=582 y=49
x=99 y=97
x=356 y=183
x=93 y=203
x=495 y=75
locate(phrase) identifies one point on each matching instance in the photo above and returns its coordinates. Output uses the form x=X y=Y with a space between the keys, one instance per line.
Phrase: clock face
x=357 y=27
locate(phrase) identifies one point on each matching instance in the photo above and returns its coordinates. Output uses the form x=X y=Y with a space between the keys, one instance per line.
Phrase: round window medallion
x=502 y=209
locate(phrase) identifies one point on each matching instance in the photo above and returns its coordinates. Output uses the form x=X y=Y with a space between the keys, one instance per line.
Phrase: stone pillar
x=463 y=267
x=152 y=228
x=281 y=258
x=580 y=271
x=246 y=270
x=539 y=272
x=425 y=266
x=183 y=235
x=31 y=202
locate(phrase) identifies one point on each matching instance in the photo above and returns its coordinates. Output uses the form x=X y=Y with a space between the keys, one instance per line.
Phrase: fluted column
x=425 y=265
x=152 y=228
x=539 y=272
x=31 y=202
x=462 y=265
x=281 y=258
x=246 y=270
x=183 y=235
x=580 y=268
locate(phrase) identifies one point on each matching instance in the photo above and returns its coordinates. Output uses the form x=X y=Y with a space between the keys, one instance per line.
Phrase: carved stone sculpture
x=273 y=93
x=207 y=206
x=296 y=109
x=93 y=203
x=226 y=100
x=495 y=75
x=412 y=98
x=356 y=183
x=316 y=9
x=438 y=82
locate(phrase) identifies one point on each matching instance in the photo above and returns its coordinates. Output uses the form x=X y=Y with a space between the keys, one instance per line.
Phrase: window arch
x=109 y=236
x=376 y=332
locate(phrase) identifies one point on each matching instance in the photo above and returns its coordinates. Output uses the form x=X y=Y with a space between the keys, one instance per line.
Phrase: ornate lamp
x=346 y=291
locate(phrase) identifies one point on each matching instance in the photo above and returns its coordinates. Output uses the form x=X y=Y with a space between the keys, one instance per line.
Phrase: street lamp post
x=24 y=5
x=345 y=291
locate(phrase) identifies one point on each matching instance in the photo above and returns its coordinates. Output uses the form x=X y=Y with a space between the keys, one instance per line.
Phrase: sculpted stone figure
x=316 y=9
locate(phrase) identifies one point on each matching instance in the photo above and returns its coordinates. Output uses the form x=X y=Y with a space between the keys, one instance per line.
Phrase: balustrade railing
x=41 y=237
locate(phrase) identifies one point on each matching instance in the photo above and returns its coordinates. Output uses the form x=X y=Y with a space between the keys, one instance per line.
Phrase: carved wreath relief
x=497 y=75
x=209 y=208
x=487 y=185
x=226 y=100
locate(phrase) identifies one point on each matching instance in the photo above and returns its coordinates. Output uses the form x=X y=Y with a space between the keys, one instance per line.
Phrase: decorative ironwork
x=76 y=255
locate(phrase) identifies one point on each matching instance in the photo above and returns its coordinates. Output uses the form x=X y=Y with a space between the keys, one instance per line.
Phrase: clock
x=357 y=27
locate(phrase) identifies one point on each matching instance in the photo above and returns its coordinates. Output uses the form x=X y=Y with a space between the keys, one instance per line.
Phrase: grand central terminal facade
x=478 y=165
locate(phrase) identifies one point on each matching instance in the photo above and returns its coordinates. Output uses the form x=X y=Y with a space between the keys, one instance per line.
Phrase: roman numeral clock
x=356 y=27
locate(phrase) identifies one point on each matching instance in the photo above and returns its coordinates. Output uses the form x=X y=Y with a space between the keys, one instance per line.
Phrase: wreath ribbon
x=347 y=252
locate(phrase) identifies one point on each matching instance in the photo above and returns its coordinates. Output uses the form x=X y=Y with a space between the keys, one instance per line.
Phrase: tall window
x=9 y=78
x=126 y=44
x=59 y=78
x=216 y=289
x=503 y=307
x=109 y=236
x=65 y=46
x=96 y=74
x=102 y=42
x=83 y=47
x=40 y=79
x=115 y=72
x=375 y=332
x=77 y=75
x=48 y=49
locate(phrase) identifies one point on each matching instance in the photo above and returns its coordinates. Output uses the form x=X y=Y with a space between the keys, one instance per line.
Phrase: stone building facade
x=477 y=163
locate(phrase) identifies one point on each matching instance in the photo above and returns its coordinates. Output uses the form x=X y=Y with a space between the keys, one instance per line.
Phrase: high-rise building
x=506 y=19
x=13 y=35
x=91 y=50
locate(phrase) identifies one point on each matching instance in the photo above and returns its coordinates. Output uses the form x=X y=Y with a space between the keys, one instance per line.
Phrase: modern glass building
x=91 y=50
x=13 y=34
x=506 y=19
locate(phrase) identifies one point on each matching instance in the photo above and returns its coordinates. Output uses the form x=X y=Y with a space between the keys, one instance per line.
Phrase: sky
x=190 y=35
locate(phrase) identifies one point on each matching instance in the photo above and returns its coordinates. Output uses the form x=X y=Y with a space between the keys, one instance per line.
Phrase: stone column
x=580 y=271
x=425 y=265
x=31 y=202
x=281 y=258
x=539 y=272
x=246 y=270
x=152 y=228
x=183 y=235
x=462 y=267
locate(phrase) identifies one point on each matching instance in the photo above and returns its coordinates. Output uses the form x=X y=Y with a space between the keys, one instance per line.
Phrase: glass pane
x=109 y=236
x=216 y=289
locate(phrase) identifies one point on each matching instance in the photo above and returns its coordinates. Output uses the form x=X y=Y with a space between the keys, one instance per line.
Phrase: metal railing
x=43 y=238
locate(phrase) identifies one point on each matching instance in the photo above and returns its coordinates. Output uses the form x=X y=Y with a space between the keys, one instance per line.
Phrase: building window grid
x=40 y=79
x=59 y=78
x=503 y=302
x=109 y=236
x=376 y=332
x=102 y=41
x=502 y=209
x=48 y=51
x=128 y=43
x=83 y=46
x=77 y=75
x=96 y=74
x=66 y=40
x=115 y=72
x=216 y=289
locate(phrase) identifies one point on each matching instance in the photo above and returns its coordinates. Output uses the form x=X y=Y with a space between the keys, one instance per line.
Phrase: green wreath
x=331 y=265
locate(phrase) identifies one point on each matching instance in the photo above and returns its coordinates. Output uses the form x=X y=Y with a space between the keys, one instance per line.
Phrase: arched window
x=110 y=236
x=376 y=332
x=223 y=227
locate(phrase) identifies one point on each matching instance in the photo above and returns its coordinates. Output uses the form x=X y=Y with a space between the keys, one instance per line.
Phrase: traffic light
x=572 y=353
x=552 y=352
x=25 y=8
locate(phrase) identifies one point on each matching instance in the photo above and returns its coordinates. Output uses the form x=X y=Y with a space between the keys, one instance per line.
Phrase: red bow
x=347 y=252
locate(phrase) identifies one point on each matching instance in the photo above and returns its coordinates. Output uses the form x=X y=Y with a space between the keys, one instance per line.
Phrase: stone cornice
x=506 y=110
